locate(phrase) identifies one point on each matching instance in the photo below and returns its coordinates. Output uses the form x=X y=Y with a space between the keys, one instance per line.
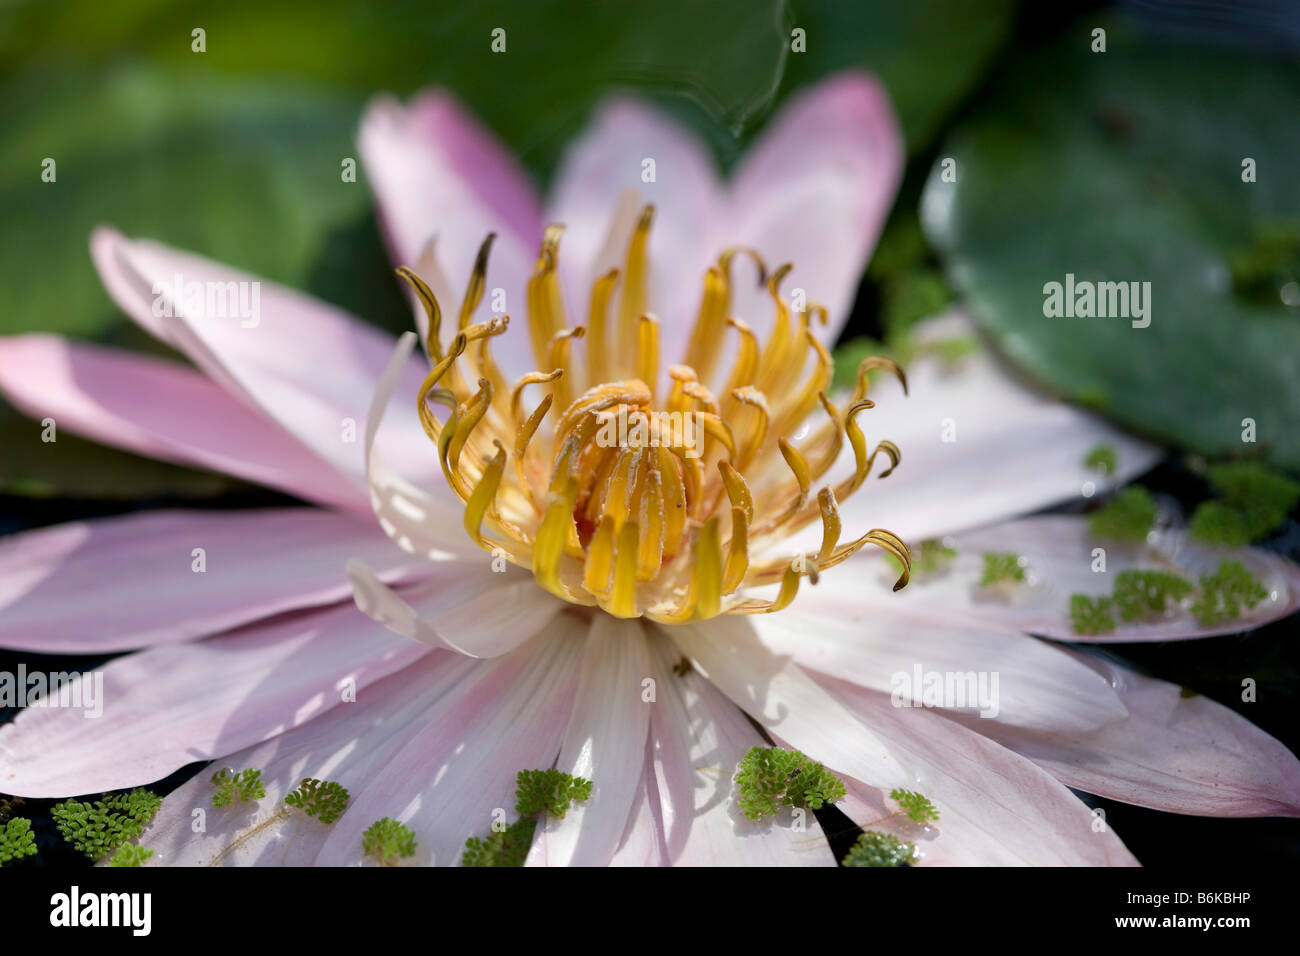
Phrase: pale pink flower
x=249 y=662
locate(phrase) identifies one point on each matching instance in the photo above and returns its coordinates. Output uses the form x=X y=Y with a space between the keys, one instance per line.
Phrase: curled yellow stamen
x=560 y=342
x=476 y=508
x=632 y=304
x=730 y=253
x=737 y=490
x=830 y=510
x=774 y=360
x=647 y=351
x=632 y=501
x=708 y=570
x=532 y=378
x=545 y=304
x=702 y=396
x=757 y=434
x=746 y=366
x=870 y=363
x=477 y=281
x=710 y=324
x=598 y=364
x=432 y=311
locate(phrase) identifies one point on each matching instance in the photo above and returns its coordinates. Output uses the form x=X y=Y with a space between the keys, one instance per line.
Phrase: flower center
x=642 y=496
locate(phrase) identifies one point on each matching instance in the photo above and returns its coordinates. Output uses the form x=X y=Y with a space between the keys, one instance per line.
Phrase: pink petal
x=1174 y=753
x=306 y=365
x=1059 y=551
x=469 y=609
x=852 y=627
x=436 y=171
x=1012 y=451
x=154 y=407
x=445 y=783
x=785 y=700
x=697 y=739
x=600 y=168
x=815 y=190
x=995 y=807
x=59 y=592
x=345 y=745
x=170 y=705
x=605 y=743
x=442 y=183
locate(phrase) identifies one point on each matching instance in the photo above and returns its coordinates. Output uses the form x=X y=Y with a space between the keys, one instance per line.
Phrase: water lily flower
x=560 y=577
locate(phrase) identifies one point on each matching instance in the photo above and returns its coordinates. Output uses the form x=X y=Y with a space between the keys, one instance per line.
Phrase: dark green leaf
x=1127 y=166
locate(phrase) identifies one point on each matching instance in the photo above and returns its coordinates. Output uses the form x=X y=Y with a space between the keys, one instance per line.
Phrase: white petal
x=977 y=447
x=448 y=781
x=346 y=745
x=170 y=705
x=698 y=738
x=55 y=596
x=846 y=627
x=1060 y=556
x=995 y=807
x=1175 y=753
x=468 y=609
x=785 y=700
x=605 y=743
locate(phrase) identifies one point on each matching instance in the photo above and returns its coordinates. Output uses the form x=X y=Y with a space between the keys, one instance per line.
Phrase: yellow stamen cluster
x=637 y=503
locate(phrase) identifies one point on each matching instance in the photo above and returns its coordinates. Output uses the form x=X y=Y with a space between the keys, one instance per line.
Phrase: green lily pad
x=1127 y=166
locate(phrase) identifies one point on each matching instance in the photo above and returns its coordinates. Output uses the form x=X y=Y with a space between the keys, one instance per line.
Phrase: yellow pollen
x=638 y=495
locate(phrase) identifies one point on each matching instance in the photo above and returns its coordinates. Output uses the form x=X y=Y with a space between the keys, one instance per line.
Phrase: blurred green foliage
x=928 y=53
x=235 y=151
